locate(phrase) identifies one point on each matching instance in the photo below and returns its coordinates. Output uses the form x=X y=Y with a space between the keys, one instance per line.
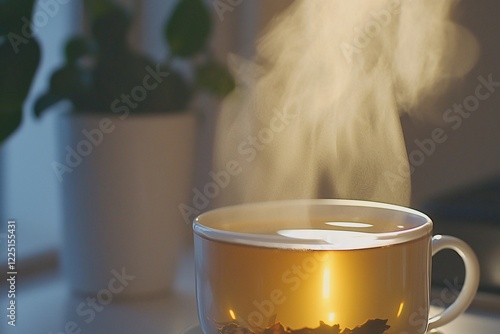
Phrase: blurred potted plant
x=129 y=140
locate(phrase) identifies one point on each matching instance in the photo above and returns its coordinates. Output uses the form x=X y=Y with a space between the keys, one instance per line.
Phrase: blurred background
x=458 y=184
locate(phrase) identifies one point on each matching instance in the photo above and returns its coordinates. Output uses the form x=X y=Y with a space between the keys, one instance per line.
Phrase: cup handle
x=440 y=242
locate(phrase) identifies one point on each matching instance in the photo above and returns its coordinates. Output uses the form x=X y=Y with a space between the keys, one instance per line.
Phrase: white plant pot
x=121 y=199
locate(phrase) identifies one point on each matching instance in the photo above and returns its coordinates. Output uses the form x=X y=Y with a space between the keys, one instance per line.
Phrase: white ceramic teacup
x=329 y=264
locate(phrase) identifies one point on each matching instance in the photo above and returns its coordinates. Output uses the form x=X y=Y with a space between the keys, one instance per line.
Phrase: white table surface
x=46 y=306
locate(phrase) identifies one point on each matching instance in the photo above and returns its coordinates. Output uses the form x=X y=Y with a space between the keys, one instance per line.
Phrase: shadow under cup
x=329 y=265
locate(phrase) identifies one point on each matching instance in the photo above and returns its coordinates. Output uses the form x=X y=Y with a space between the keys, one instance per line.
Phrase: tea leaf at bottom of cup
x=372 y=326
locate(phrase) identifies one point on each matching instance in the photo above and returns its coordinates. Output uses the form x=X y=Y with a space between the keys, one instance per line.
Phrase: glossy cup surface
x=312 y=263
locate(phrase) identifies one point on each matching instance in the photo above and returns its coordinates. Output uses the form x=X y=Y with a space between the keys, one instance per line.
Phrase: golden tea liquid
x=255 y=286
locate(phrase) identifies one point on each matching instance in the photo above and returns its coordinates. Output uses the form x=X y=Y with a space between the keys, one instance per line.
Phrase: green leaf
x=115 y=76
x=172 y=94
x=98 y=8
x=9 y=122
x=16 y=72
x=18 y=62
x=214 y=78
x=188 y=29
x=76 y=48
x=44 y=102
x=69 y=81
x=110 y=29
x=11 y=14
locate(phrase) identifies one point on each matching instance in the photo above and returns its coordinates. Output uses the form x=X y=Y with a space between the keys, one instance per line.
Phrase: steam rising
x=317 y=114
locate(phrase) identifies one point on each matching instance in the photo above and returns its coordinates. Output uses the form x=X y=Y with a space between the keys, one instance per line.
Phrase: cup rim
x=203 y=225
